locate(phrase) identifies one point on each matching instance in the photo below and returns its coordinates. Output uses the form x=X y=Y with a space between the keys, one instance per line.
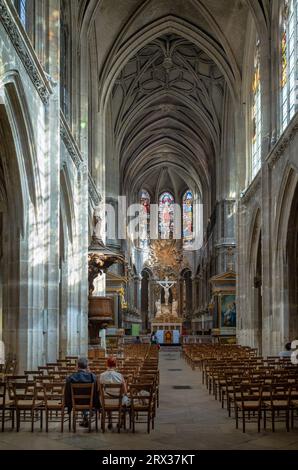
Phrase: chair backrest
x=82 y=396
x=32 y=374
x=2 y=393
x=22 y=391
x=54 y=391
x=17 y=378
x=294 y=392
x=141 y=395
x=146 y=378
x=111 y=394
x=10 y=366
x=280 y=392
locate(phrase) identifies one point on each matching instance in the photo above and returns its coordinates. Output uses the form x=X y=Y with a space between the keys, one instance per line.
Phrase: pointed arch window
x=187 y=216
x=256 y=115
x=166 y=215
x=289 y=59
x=21 y=7
x=144 y=218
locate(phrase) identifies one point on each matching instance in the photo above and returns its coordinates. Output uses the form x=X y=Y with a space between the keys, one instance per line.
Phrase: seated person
x=83 y=375
x=111 y=376
x=288 y=351
x=153 y=339
x=137 y=340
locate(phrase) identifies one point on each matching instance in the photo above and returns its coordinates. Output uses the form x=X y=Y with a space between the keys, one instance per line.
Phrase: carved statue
x=175 y=308
x=158 y=308
x=97 y=222
x=98 y=263
x=95 y=268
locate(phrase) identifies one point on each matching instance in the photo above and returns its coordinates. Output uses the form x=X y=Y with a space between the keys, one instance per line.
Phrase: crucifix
x=166 y=285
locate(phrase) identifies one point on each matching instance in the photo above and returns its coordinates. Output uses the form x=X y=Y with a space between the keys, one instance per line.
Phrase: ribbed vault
x=166 y=107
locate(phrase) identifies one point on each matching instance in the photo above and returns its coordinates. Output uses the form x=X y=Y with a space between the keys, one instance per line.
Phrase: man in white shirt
x=111 y=376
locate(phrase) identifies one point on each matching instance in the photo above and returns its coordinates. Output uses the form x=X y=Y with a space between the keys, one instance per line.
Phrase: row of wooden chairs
x=28 y=396
x=252 y=387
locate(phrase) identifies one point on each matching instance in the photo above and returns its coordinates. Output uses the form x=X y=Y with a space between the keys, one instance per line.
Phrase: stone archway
x=285 y=259
x=186 y=293
x=19 y=189
x=256 y=280
x=146 y=299
x=292 y=257
x=258 y=297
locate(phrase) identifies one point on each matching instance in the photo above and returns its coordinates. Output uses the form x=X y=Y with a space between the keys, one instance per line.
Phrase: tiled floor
x=186 y=419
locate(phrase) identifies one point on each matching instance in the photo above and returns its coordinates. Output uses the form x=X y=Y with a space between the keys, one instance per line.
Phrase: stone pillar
x=194 y=293
x=82 y=227
x=53 y=189
x=150 y=300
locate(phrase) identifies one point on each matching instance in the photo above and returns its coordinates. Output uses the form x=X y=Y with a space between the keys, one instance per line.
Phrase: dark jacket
x=81 y=377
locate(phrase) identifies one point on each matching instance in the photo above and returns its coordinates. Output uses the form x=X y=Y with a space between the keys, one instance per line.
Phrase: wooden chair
x=82 y=402
x=10 y=367
x=293 y=402
x=111 y=405
x=152 y=380
x=142 y=406
x=24 y=400
x=5 y=406
x=249 y=405
x=278 y=405
x=54 y=404
x=2 y=372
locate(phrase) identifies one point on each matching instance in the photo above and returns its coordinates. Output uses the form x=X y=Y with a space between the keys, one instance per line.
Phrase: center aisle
x=187 y=419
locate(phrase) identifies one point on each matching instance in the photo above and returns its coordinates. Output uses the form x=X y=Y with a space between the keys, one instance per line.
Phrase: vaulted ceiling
x=167 y=71
x=166 y=107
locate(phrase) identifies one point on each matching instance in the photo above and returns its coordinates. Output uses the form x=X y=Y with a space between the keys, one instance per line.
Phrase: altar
x=168 y=334
x=167 y=326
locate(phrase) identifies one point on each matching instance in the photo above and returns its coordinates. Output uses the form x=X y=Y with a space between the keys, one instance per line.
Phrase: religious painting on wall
x=166 y=215
x=145 y=218
x=187 y=216
x=228 y=310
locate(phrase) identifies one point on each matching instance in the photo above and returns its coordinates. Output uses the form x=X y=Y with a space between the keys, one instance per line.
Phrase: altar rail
x=196 y=339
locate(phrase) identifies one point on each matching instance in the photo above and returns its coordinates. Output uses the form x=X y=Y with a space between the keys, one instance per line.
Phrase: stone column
x=82 y=227
x=53 y=189
x=195 y=282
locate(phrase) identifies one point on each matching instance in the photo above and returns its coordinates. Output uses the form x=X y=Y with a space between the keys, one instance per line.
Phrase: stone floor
x=186 y=419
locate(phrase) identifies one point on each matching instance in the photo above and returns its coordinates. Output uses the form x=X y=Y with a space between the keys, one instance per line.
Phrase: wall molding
x=78 y=159
x=282 y=143
x=94 y=194
x=70 y=143
x=25 y=51
x=252 y=189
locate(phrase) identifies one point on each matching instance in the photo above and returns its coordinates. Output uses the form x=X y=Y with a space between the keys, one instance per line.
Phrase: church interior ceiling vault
x=166 y=107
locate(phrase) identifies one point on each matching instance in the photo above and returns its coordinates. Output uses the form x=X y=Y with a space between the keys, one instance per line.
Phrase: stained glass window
x=188 y=216
x=256 y=115
x=144 y=218
x=289 y=58
x=166 y=215
x=21 y=6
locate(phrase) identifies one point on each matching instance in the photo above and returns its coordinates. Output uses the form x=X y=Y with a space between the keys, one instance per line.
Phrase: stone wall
x=265 y=215
x=44 y=201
